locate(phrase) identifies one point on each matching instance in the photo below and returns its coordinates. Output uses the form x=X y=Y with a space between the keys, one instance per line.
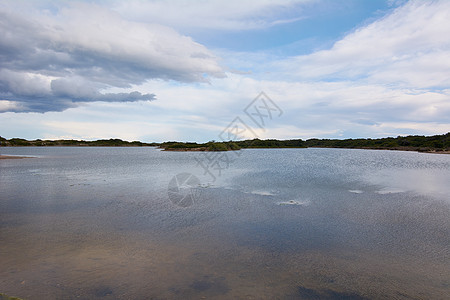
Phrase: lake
x=140 y=223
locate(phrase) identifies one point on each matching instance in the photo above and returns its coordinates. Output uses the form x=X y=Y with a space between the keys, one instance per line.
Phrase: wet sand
x=12 y=157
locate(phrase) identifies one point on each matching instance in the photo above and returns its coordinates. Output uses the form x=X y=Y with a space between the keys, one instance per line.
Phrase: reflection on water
x=97 y=223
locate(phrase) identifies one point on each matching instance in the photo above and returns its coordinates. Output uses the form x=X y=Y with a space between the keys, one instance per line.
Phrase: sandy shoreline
x=13 y=157
x=438 y=152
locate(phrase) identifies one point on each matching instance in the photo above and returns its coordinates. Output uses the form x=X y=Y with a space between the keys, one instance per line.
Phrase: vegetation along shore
x=430 y=144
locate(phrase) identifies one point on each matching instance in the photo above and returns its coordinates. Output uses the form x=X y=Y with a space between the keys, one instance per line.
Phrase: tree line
x=17 y=142
x=412 y=142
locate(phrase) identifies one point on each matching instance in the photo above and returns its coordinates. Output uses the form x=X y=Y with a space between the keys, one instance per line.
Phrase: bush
x=211 y=146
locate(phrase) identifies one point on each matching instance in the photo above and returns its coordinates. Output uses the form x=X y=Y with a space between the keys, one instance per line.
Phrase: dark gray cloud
x=33 y=93
x=53 y=61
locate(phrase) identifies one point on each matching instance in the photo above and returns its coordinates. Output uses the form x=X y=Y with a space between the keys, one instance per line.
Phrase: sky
x=182 y=70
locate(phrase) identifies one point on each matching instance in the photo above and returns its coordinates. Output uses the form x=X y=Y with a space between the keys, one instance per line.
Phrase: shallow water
x=98 y=223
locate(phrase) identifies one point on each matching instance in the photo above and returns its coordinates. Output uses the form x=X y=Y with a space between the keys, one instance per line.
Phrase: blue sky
x=183 y=70
x=319 y=25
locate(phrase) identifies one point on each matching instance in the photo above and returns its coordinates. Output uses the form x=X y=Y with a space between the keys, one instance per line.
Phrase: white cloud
x=158 y=50
x=286 y=131
x=214 y=14
x=390 y=77
x=406 y=128
x=324 y=110
x=25 y=83
x=409 y=48
x=6 y=105
x=70 y=54
x=127 y=130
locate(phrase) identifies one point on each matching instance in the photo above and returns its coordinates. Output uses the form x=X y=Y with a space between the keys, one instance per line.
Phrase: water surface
x=97 y=223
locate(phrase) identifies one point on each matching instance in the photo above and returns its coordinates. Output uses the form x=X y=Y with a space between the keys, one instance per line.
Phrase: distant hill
x=435 y=143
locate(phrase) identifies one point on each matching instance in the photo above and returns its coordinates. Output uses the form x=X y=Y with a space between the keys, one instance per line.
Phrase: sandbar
x=12 y=157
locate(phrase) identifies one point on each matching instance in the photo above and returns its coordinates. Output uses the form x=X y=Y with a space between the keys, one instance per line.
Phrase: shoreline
x=201 y=149
x=204 y=149
x=391 y=149
x=13 y=157
x=388 y=149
